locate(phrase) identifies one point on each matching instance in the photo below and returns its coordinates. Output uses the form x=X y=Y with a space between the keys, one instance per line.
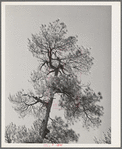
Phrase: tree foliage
x=60 y=60
x=59 y=133
x=106 y=138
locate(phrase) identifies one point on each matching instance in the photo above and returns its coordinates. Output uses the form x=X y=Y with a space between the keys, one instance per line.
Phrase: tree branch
x=40 y=45
x=36 y=98
x=46 y=62
x=87 y=115
x=31 y=103
x=50 y=72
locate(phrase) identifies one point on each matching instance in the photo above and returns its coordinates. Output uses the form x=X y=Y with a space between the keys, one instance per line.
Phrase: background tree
x=14 y=134
x=60 y=62
x=106 y=139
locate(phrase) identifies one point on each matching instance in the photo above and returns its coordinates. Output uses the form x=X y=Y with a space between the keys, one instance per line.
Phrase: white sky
x=92 y=24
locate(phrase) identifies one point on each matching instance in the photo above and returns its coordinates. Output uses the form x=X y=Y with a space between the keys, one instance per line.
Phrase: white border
x=61 y=3
x=115 y=75
x=115 y=72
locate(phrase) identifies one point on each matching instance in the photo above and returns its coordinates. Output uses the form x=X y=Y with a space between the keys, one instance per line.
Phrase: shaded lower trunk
x=47 y=116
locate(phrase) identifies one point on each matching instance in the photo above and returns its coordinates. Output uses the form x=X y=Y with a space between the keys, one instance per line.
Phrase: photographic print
x=57 y=64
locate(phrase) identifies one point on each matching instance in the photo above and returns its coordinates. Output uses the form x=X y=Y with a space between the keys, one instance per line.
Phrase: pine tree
x=60 y=62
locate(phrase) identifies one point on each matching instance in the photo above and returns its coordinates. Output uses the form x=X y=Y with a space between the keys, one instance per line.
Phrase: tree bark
x=47 y=115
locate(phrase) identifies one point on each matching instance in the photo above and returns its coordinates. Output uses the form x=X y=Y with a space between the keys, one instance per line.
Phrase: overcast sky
x=92 y=24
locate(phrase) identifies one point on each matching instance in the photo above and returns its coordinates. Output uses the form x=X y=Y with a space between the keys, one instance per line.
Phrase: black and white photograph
x=60 y=65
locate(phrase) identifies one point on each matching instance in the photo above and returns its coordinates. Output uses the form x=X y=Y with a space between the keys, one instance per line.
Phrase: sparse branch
x=88 y=116
x=23 y=109
x=31 y=103
x=45 y=62
x=36 y=98
x=41 y=45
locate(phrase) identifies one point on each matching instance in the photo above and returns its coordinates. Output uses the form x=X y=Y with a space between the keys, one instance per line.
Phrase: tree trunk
x=47 y=115
x=50 y=102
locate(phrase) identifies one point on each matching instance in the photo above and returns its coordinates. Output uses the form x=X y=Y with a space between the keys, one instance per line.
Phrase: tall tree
x=60 y=62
